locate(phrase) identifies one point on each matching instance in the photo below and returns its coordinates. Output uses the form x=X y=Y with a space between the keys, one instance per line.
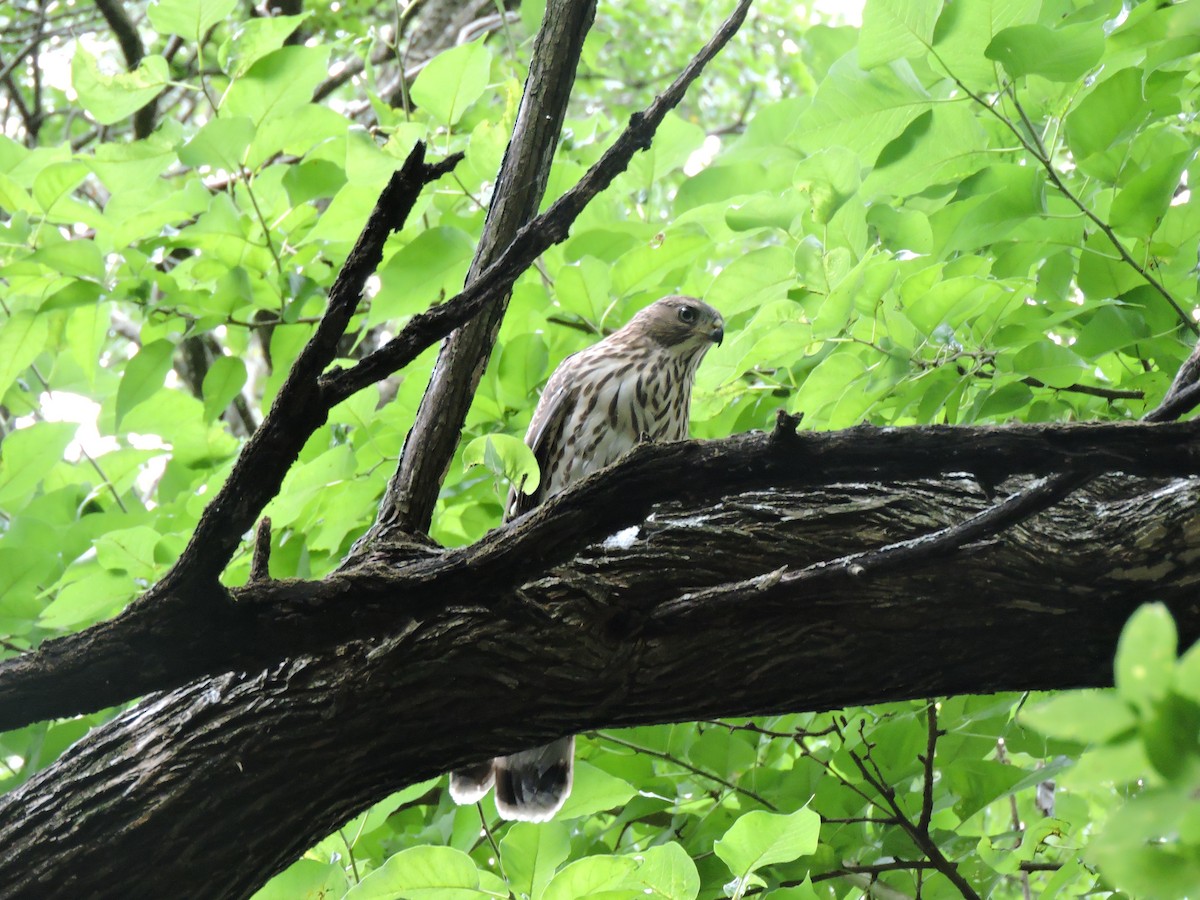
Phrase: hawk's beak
x=717 y=334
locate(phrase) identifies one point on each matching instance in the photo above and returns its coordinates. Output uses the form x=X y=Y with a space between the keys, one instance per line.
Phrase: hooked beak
x=717 y=334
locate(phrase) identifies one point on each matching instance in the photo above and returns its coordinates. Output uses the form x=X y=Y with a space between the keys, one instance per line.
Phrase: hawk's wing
x=545 y=434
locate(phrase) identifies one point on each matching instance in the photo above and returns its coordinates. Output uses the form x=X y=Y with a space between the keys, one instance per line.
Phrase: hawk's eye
x=687 y=314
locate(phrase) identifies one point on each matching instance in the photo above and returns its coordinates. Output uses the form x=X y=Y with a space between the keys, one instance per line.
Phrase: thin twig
x=1037 y=151
x=926 y=760
x=667 y=757
x=261 y=558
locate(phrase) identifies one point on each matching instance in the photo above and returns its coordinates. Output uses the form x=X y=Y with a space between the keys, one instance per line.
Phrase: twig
x=920 y=836
x=674 y=760
x=1018 y=827
x=1090 y=390
x=1037 y=151
x=260 y=561
x=926 y=760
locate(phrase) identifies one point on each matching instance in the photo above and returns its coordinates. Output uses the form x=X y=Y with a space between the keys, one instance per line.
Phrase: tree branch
x=575 y=650
x=131 y=48
x=299 y=408
x=542 y=232
x=413 y=490
x=164 y=644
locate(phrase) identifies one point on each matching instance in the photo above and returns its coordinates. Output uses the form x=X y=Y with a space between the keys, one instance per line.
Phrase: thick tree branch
x=576 y=649
x=157 y=646
x=413 y=490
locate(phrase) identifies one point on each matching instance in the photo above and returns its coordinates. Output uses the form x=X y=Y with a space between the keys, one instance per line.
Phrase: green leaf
x=22 y=338
x=422 y=873
x=859 y=110
x=253 y=39
x=221 y=143
x=1050 y=363
x=531 y=854
x=78 y=258
x=311 y=179
x=144 y=376
x=668 y=872
x=305 y=879
x=129 y=550
x=1140 y=849
x=752 y=280
x=593 y=790
x=1145 y=662
x=97 y=596
x=760 y=839
x=111 y=98
x=506 y=457
x=1187 y=674
x=27 y=455
x=646 y=266
x=224 y=380
x=452 y=81
x=1065 y=54
x=965 y=29
x=190 y=19
x=420 y=272
x=1140 y=205
x=56 y=181
x=892 y=29
x=277 y=84
x=1113 y=110
x=1084 y=716
x=594 y=876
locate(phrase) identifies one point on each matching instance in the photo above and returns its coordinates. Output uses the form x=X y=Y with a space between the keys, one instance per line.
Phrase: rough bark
x=220 y=784
x=180 y=636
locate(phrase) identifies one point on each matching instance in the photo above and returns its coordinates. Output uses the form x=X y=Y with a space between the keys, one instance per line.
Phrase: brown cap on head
x=675 y=320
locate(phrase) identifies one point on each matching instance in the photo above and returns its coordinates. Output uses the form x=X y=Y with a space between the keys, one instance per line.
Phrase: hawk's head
x=683 y=324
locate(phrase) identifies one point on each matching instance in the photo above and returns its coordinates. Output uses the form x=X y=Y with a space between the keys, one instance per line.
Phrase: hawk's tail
x=532 y=785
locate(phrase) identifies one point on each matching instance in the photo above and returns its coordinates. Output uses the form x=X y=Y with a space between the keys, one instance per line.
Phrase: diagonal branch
x=299 y=410
x=520 y=186
x=544 y=231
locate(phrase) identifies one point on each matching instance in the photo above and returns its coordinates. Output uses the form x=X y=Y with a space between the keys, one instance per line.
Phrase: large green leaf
x=1064 y=54
x=452 y=81
x=22 y=338
x=531 y=854
x=422 y=873
x=190 y=19
x=111 y=98
x=760 y=839
x=893 y=29
x=144 y=376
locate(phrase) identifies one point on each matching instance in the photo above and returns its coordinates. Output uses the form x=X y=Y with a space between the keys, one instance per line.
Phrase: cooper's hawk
x=635 y=384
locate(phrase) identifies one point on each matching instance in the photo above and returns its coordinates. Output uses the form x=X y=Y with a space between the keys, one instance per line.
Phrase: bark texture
x=220 y=784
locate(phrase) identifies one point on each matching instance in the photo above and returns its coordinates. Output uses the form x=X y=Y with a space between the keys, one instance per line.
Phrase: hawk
x=634 y=385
